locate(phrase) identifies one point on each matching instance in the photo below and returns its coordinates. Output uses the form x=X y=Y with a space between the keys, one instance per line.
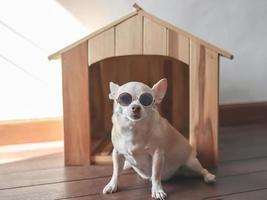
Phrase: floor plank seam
x=66 y=181
x=101 y=177
x=243 y=159
x=233 y=193
x=100 y=193
x=51 y=183
x=33 y=170
x=242 y=174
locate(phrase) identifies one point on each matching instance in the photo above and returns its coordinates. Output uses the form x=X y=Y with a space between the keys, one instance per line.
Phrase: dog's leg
x=141 y=174
x=195 y=166
x=157 y=164
x=126 y=165
x=118 y=161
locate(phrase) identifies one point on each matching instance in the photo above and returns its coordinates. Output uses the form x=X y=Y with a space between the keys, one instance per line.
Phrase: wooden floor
x=242 y=175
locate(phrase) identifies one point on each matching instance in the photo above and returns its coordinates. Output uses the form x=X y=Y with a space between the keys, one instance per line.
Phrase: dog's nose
x=136 y=108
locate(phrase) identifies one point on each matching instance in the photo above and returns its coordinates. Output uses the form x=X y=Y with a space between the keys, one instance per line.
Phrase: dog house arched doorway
x=143 y=68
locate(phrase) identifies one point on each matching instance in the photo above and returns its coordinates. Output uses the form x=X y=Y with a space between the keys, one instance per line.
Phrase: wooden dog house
x=139 y=47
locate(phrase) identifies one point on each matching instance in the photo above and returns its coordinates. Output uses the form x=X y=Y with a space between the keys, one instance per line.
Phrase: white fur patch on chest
x=134 y=148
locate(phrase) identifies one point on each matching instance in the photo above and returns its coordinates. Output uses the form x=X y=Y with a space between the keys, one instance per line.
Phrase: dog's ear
x=159 y=90
x=113 y=90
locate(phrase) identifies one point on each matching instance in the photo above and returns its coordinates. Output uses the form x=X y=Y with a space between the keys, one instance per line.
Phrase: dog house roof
x=140 y=33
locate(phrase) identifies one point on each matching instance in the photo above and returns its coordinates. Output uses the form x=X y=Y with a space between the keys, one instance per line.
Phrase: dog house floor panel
x=101 y=150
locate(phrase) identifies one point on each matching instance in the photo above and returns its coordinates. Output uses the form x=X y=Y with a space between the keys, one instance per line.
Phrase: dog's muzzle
x=136 y=111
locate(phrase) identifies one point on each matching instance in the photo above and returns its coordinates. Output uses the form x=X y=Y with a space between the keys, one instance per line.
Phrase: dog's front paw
x=209 y=178
x=158 y=193
x=110 y=188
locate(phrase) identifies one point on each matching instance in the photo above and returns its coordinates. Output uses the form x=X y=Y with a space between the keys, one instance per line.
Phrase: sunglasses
x=125 y=99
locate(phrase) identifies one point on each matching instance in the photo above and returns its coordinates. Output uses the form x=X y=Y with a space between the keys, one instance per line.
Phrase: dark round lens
x=125 y=99
x=146 y=99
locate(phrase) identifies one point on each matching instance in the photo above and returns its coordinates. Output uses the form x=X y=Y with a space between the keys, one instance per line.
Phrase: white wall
x=239 y=26
x=30 y=30
x=30 y=85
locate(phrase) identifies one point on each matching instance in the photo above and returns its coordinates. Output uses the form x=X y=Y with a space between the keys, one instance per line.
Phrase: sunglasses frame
x=152 y=102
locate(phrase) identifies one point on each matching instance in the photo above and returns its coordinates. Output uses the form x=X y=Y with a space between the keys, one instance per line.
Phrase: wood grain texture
x=39 y=163
x=76 y=105
x=243 y=113
x=58 y=54
x=53 y=175
x=101 y=46
x=179 y=81
x=204 y=103
x=86 y=183
x=29 y=131
x=155 y=38
x=243 y=142
x=178 y=46
x=68 y=174
x=169 y=26
x=259 y=194
x=182 y=189
x=18 y=152
x=160 y=22
x=97 y=102
x=129 y=38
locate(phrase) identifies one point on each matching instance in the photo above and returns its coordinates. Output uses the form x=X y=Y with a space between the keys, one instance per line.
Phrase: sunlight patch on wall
x=30 y=85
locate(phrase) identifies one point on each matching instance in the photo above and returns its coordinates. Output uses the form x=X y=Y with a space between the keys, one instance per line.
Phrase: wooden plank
x=57 y=54
x=29 y=131
x=133 y=194
x=56 y=175
x=186 y=34
x=87 y=182
x=182 y=188
x=249 y=195
x=96 y=142
x=76 y=105
x=129 y=38
x=102 y=155
x=102 y=159
x=39 y=163
x=178 y=46
x=204 y=103
x=107 y=149
x=48 y=176
x=180 y=98
x=236 y=146
x=67 y=174
x=101 y=46
x=243 y=142
x=19 y=152
x=224 y=185
x=243 y=113
x=178 y=187
x=97 y=102
x=222 y=52
x=155 y=38
x=61 y=190
x=104 y=147
x=108 y=72
x=239 y=167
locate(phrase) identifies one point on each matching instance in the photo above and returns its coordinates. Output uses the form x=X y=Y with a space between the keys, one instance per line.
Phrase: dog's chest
x=140 y=158
x=135 y=148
